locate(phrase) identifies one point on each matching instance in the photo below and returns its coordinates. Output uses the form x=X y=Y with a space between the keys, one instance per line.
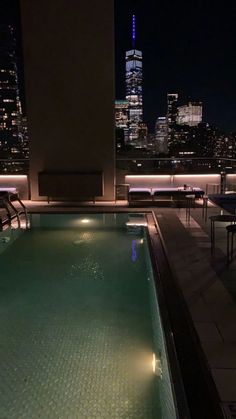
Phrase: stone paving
x=208 y=286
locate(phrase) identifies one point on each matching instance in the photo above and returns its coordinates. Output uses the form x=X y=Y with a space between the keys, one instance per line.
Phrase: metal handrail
x=24 y=210
x=7 y=204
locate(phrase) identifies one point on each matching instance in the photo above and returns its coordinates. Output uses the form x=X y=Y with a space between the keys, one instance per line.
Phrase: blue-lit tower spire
x=134 y=94
x=133 y=31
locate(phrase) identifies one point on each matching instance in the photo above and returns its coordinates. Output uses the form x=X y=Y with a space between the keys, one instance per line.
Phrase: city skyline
x=13 y=124
x=186 y=49
x=10 y=15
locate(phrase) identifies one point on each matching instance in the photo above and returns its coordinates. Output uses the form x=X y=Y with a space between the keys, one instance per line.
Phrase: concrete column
x=69 y=72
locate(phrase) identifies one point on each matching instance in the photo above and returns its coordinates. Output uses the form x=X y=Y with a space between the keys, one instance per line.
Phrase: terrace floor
x=207 y=283
x=209 y=289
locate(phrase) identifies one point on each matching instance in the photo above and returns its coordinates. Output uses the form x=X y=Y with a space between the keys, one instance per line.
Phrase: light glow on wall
x=170 y=181
x=197 y=176
x=13 y=177
x=147 y=176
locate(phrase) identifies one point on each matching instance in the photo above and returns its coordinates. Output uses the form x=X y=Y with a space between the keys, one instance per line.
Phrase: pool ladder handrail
x=6 y=201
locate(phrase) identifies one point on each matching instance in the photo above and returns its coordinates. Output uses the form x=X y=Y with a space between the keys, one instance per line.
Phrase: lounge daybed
x=140 y=194
x=177 y=192
x=152 y=194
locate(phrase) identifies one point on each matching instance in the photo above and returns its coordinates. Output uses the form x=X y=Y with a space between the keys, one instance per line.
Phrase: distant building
x=225 y=146
x=121 y=114
x=134 y=94
x=10 y=106
x=151 y=143
x=143 y=134
x=121 y=123
x=190 y=114
x=24 y=137
x=161 y=135
x=201 y=140
x=172 y=113
x=172 y=109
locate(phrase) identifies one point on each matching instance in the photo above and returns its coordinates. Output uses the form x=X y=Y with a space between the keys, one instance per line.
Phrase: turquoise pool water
x=79 y=323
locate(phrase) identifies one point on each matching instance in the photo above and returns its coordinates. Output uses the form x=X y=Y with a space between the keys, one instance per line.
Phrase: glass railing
x=171 y=166
x=145 y=165
x=14 y=166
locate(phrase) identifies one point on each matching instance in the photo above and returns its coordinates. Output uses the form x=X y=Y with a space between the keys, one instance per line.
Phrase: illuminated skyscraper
x=172 y=110
x=121 y=121
x=190 y=114
x=10 y=106
x=172 y=113
x=134 y=94
x=161 y=134
x=121 y=114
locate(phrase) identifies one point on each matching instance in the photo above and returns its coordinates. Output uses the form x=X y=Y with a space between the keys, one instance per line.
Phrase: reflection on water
x=134 y=251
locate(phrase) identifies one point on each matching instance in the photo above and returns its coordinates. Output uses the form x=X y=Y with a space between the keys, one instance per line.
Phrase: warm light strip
x=231 y=174
x=13 y=176
x=206 y=175
x=168 y=176
x=147 y=176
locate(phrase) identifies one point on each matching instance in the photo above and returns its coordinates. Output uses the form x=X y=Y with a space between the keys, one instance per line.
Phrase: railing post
x=222 y=182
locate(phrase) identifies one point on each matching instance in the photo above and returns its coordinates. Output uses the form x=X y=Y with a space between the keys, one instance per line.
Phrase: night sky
x=188 y=48
x=10 y=14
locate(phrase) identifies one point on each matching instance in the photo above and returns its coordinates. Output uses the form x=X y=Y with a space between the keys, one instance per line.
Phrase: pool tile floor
x=208 y=284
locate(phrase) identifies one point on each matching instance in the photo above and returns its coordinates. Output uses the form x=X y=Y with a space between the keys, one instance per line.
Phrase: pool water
x=76 y=321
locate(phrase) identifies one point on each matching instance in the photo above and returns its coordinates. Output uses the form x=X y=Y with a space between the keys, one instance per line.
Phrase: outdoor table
x=221 y=218
x=204 y=207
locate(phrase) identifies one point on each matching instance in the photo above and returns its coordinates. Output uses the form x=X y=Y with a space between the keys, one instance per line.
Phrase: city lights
x=14 y=144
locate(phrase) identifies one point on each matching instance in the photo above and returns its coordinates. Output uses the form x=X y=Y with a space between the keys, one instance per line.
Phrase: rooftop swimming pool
x=81 y=334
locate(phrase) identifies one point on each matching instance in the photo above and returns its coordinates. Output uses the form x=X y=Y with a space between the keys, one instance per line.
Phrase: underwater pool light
x=85 y=221
x=154 y=363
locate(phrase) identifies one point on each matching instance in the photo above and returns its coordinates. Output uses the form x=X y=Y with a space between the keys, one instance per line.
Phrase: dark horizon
x=187 y=49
